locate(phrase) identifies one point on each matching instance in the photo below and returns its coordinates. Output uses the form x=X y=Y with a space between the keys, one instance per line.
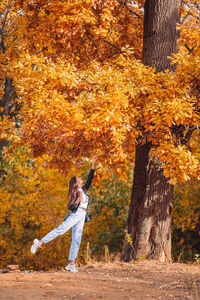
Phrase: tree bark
x=160 y=33
x=149 y=218
x=6 y=102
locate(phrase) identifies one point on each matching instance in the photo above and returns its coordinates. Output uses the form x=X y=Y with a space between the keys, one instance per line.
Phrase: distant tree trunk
x=149 y=219
x=9 y=90
x=6 y=100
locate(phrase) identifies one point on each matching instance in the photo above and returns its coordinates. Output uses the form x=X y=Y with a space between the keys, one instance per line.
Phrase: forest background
x=48 y=87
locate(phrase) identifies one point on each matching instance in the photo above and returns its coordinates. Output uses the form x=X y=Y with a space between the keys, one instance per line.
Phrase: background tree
x=8 y=103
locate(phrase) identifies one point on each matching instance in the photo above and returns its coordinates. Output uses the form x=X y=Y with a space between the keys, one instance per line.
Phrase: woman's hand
x=94 y=162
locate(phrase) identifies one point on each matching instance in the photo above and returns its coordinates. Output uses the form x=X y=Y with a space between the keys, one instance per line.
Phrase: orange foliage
x=84 y=91
x=79 y=99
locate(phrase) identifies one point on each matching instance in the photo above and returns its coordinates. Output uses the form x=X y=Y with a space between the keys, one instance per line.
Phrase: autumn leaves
x=83 y=90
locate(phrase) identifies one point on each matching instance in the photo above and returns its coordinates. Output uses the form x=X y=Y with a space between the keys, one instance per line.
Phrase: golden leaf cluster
x=84 y=90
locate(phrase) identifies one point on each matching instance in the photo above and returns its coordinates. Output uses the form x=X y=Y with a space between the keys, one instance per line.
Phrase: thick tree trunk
x=160 y=33
x=149 y=218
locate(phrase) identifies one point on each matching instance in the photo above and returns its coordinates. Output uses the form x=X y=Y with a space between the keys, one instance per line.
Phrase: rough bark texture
x=149 y=218
x=160 y=33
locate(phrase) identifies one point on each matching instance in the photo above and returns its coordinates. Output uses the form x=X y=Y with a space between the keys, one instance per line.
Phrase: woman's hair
x=73 y=190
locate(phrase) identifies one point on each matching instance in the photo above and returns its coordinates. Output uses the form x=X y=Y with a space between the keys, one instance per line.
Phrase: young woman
x=77 y=197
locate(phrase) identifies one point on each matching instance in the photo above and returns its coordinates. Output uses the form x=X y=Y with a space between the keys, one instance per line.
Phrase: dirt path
x=113 y=281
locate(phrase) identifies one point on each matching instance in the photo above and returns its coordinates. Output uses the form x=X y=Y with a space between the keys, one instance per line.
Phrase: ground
x=110 y=281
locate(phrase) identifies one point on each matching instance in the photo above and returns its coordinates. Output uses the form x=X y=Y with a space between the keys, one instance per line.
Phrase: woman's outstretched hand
x=94 y=162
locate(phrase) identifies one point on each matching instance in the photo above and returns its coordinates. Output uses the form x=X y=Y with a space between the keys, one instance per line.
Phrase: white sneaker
x=71 y=268
x=35 y=246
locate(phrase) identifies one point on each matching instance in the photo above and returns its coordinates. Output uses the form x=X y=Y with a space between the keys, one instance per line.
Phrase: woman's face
x=79 y=181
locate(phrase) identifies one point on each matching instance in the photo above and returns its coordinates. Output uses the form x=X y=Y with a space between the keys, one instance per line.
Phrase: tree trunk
x=160 y=33
x=149 y=216
x=149 y=219
x=6 y=102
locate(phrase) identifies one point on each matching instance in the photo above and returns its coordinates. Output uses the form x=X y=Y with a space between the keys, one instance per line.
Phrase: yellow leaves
x=106 y=18
x=73 y=26
x=189 y=28
x=179 y=163
x=41 y=13
x=82 y=90
x=104 y=115
x=186 y=205
x=6 y=128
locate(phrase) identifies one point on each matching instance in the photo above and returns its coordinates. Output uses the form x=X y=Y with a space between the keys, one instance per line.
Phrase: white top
x=85 y=201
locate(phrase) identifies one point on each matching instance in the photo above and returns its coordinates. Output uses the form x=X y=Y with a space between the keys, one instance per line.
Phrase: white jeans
x=76 y=222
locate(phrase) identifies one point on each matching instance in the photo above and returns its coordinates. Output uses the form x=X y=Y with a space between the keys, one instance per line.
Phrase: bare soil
x=116 y=281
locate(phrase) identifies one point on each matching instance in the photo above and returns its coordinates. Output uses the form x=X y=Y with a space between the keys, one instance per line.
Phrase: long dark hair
x=73 y=191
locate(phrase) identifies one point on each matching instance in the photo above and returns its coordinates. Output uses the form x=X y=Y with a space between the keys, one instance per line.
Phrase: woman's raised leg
x=69 y=222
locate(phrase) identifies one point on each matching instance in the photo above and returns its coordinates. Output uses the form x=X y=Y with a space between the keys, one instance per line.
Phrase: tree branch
x=11 y=32
x=134 y=13
x=188 y=48
x=11 y=23
x=88 y=33
x=189 y=134
x=6 y=15
x=184 y=18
